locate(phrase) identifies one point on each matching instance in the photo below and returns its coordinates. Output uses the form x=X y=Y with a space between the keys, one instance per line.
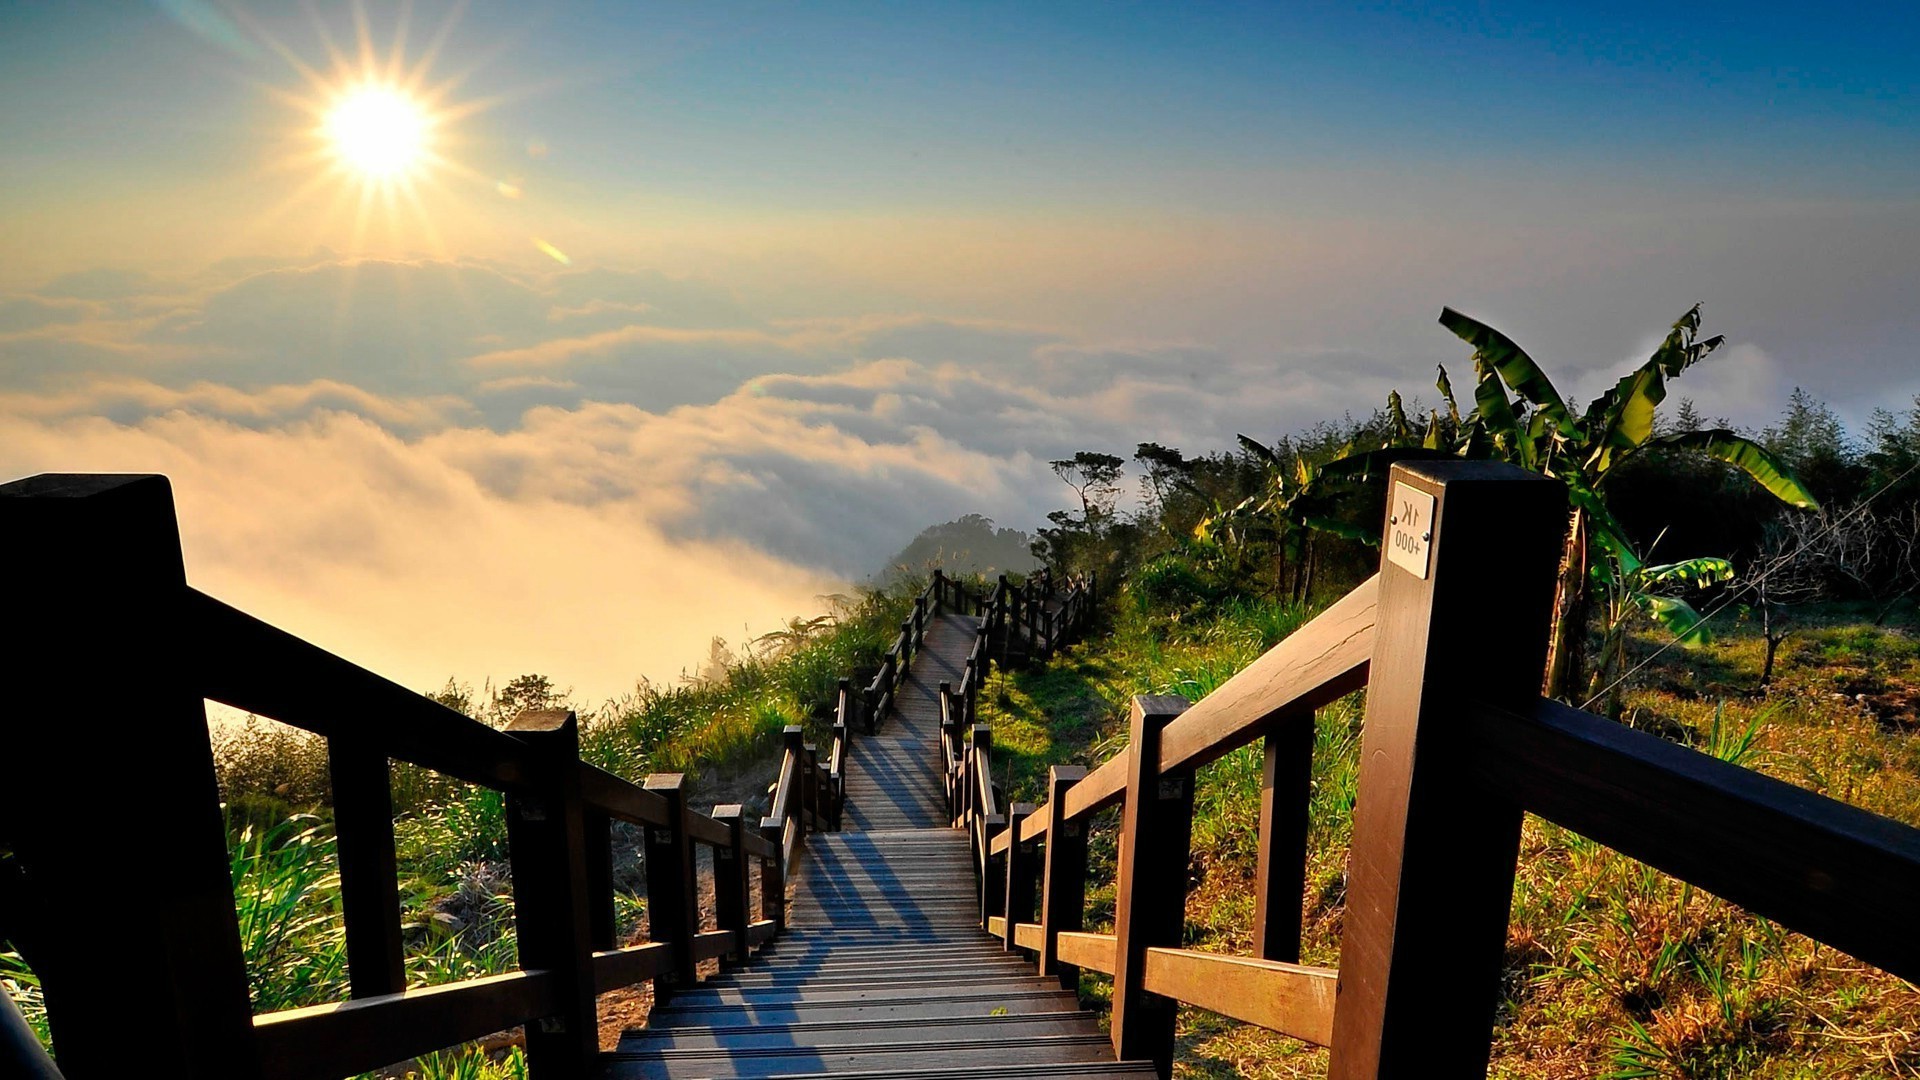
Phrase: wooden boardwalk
x=884 y=970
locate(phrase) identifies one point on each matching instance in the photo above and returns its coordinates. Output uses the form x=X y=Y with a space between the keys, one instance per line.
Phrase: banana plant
x=1518 y=415
x=1537 y=430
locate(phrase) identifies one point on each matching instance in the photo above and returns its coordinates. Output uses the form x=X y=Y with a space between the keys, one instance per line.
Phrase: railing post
x=730 y=885
x=992 y=885
x=773 y=877
x=1047 y=650
x=1286 y=785
x=810 y=762
x=1149 y=910
x=998 y=616
x=369 y=871
x=1063 y=897
x=98 y=578
x=673 y=910
x=1431 y=874
x=1022 y=871
x=939 y=591
x=547 y=841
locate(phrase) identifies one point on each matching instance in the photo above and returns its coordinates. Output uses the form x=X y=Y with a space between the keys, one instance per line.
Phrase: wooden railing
x=1449 y=640
x=118 y=891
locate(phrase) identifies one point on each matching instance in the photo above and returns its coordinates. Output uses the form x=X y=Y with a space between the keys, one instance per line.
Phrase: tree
x=1095 y=478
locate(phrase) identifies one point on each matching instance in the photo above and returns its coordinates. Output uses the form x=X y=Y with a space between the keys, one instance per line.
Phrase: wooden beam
x=1431 y=874
x=1831 y=871
x=1319 y=663
x=369 y=872
x=673 y=908
x=1022 y=872
x=325 y=1042
x=1287 y=998
x=1094 y=952
x=617 y=968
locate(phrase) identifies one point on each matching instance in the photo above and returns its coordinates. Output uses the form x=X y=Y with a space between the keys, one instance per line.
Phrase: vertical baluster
x=1149 y=911
x=773 y=877
x=1431 y=875
x=369 y=872
x=1063 y=899
x=731 y=887
x=1022 y=871
x=1286 y=785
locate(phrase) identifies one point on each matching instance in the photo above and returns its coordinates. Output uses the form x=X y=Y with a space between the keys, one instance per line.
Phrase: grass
x=1613 y=970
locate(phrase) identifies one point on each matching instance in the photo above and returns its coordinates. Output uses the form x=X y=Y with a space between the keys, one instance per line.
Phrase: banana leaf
x=1747 y=456
x=1501 y=422
x=1259 y=450
x=1399 y=431
x=1445 y=386
x=1688 y=573
x=1495 y=350
x=1678 y=616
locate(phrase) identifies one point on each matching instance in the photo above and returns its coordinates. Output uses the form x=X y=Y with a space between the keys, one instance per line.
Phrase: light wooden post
x=546 y=838
x=773 y=877
x=96 y=582
x=1156 y=829
x=673 y=910
x=1286 y=786
x=369 y=871
x=980 y=779
x=730 y=883
x=1465 y=597
x=1063 y=897
x=1022 y=871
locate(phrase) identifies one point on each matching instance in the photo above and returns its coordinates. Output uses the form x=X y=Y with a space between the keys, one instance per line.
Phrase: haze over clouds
x=825 y=290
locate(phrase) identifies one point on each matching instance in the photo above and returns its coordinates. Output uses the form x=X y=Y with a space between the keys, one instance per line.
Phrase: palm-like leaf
x=1747 y=456
x=1495 y=351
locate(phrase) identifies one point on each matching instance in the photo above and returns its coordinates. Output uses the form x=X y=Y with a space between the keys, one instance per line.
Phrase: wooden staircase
x=884 y=969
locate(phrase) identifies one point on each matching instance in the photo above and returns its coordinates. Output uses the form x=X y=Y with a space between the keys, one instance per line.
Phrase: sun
x=378 y=133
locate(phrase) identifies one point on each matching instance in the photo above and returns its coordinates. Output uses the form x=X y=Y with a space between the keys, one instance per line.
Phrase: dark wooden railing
x=1458 y=745
x=118 y=891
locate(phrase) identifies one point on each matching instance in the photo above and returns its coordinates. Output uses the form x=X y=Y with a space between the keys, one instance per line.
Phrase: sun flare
x=378 y=132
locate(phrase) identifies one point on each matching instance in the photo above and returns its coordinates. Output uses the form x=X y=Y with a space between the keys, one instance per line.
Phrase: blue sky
x=702 y=281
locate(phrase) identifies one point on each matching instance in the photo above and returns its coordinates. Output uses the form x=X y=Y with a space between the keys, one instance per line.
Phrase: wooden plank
x=546 y=842
x=759 y=847
x=1286 y=786
x=616 y=968
x=1313 y=666
x=265 y=670
x=710 y=944
x=1103 y=787
x=1831 y=871
x=705 y=830
x=1431 y=874
x=997 y=926
x=1091 y=951
x=326 y=1042
x=1035 y=827
x=1002 y=839
x=1029 y=936
x=369 y=872
x=618 y=798
x=1150 y=891
x=761 y=931
x=1063 y=875
x=1288 y=998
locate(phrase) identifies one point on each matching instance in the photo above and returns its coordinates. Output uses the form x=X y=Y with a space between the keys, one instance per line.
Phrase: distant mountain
x=969 y=545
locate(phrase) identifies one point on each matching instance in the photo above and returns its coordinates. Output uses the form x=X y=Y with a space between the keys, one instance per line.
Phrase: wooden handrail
x=109 y=575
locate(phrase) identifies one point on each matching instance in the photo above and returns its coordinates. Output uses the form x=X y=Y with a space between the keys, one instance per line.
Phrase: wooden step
x=959 y=1003
x=890 y=1058
x=860 y=1031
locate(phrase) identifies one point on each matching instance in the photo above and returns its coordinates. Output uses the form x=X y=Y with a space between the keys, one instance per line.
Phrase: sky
x=615 y=327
